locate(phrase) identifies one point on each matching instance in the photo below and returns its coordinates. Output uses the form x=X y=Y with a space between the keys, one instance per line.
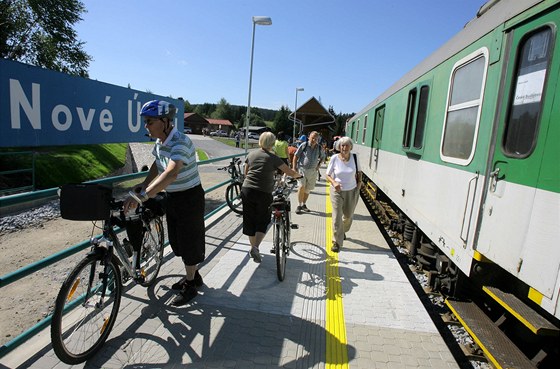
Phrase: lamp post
x=262 y=21
x=295 y=111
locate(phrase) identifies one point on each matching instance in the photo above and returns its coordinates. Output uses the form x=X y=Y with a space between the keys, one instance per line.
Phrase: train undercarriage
x=512 y=332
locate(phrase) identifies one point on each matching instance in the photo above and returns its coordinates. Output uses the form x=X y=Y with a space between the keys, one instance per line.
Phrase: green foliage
x=188 y=108
x=56 y=165
x=281 y=121
x=39 y=32
x=222 y=111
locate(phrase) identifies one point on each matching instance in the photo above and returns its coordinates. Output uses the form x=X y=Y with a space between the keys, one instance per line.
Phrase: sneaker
x=298 y=210
x=181 y=283
x=187 y=294
x=304 y=208
x=335 y=247
x=178 y=286
x=198 y=282
x=256 y=255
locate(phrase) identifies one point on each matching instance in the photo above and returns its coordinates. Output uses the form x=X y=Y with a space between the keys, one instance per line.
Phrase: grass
x=231 y=142
x=57 y=165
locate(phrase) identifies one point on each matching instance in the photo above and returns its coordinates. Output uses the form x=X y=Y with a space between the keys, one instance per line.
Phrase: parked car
x=254 y=136
x=219 y=133
x=188 y=130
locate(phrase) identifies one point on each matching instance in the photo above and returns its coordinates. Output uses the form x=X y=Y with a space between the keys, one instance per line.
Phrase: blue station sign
x=40 y=107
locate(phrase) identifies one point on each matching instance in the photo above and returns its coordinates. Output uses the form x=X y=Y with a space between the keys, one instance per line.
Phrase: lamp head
x=299 y=89
x=262 y=21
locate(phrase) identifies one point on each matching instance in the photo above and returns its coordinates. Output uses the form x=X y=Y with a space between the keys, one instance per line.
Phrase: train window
x=357 y=132
x=364 y=130
x=421 y=117
x=409 y=122
x=526 y=101
x=415 y=121
x=463 y=110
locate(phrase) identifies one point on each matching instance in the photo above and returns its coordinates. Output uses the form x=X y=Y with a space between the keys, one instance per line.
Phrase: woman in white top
x=345 y=177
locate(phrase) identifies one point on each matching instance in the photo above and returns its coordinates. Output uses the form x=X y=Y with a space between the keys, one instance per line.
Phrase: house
x=195 y=122
x=312 y=116
x=220 y=124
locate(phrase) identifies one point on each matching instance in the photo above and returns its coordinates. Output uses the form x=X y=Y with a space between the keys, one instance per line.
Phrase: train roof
x=489 y=16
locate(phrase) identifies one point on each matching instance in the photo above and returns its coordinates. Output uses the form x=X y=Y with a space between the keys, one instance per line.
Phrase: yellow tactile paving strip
x=336 y=353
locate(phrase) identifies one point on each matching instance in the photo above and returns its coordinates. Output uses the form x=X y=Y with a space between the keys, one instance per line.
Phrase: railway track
x=467 y=352
x=491 y=328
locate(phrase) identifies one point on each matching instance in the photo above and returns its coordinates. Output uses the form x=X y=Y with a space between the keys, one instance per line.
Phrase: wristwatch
x=139 y=197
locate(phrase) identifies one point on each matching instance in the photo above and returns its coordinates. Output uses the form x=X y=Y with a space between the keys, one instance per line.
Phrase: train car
x=465 y=147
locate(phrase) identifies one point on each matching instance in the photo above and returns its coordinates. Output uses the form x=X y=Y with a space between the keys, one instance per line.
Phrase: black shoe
x=198 y=282
x=273 y=250
x=187 y=294
x=335 y=247
x=298 y=210
x=304 y=208
x=177 y=286
x=181 y=284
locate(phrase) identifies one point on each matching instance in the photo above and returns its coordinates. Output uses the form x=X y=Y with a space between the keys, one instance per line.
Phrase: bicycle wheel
x=279 y=238
x=151 y=255
x=233 y=197
x=86 y=309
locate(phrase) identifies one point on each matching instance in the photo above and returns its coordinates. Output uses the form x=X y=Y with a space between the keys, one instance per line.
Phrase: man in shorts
x=307 y=160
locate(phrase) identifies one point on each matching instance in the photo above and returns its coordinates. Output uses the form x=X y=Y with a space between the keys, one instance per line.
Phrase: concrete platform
x=353 y=309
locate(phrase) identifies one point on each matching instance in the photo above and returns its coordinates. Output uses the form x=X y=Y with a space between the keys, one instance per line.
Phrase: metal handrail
x=24 y=170
x=38 y=265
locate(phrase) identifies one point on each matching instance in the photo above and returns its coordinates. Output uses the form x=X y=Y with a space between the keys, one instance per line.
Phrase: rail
x=29 y=171
x=38 y=265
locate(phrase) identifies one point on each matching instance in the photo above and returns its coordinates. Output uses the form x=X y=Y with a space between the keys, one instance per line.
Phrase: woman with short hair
x=256 y=191
x=345 y=177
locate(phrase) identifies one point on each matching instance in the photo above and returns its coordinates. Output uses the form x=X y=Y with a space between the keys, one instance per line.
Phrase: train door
x=522 y=209
x=376 y=137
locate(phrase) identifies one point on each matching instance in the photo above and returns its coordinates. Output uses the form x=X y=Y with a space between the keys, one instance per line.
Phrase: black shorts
x=185 y=224
x=256 y=210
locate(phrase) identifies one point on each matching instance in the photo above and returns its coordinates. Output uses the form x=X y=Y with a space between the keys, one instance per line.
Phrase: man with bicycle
x=175 y=170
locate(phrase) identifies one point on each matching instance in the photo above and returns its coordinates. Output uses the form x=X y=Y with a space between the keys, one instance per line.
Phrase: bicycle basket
x=85 y=201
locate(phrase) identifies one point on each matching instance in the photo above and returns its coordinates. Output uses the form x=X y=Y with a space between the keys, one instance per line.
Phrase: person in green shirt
x=281 y=147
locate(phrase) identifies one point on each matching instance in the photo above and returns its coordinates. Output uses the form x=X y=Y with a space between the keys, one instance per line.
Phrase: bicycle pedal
x=139 y=279
x=294 y=226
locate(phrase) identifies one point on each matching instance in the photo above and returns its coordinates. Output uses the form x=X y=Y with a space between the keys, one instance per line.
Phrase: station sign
x=40 y=107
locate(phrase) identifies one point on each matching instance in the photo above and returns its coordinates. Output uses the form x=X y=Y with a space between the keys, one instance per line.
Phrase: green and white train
x=467 y=147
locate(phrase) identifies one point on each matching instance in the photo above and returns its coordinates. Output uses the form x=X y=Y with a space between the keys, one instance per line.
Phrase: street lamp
x=261 y=21
x=295 y=111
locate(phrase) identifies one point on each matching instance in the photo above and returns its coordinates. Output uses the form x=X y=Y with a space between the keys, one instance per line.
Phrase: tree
x=188 y=108
x=281 y=121
x=223 y=110
x=40 y=32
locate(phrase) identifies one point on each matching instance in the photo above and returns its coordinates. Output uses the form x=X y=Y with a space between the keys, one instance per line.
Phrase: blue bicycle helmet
x=158 y=109
x=303 y=138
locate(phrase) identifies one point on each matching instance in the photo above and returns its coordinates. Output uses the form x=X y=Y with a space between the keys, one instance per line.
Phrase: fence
x=31 y=268
x=17 y=174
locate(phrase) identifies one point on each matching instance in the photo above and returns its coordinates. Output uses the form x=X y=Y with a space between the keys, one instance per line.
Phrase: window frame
x=515 y=75
x=364 y=130
x=411 y=118
x=479 y=53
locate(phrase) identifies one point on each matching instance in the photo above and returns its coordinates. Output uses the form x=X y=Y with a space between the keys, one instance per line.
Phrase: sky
x=342 y=52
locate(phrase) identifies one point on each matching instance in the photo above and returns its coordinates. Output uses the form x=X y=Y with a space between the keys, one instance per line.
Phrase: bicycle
x=233 y=190
x=88 y=302
x=280 y=213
